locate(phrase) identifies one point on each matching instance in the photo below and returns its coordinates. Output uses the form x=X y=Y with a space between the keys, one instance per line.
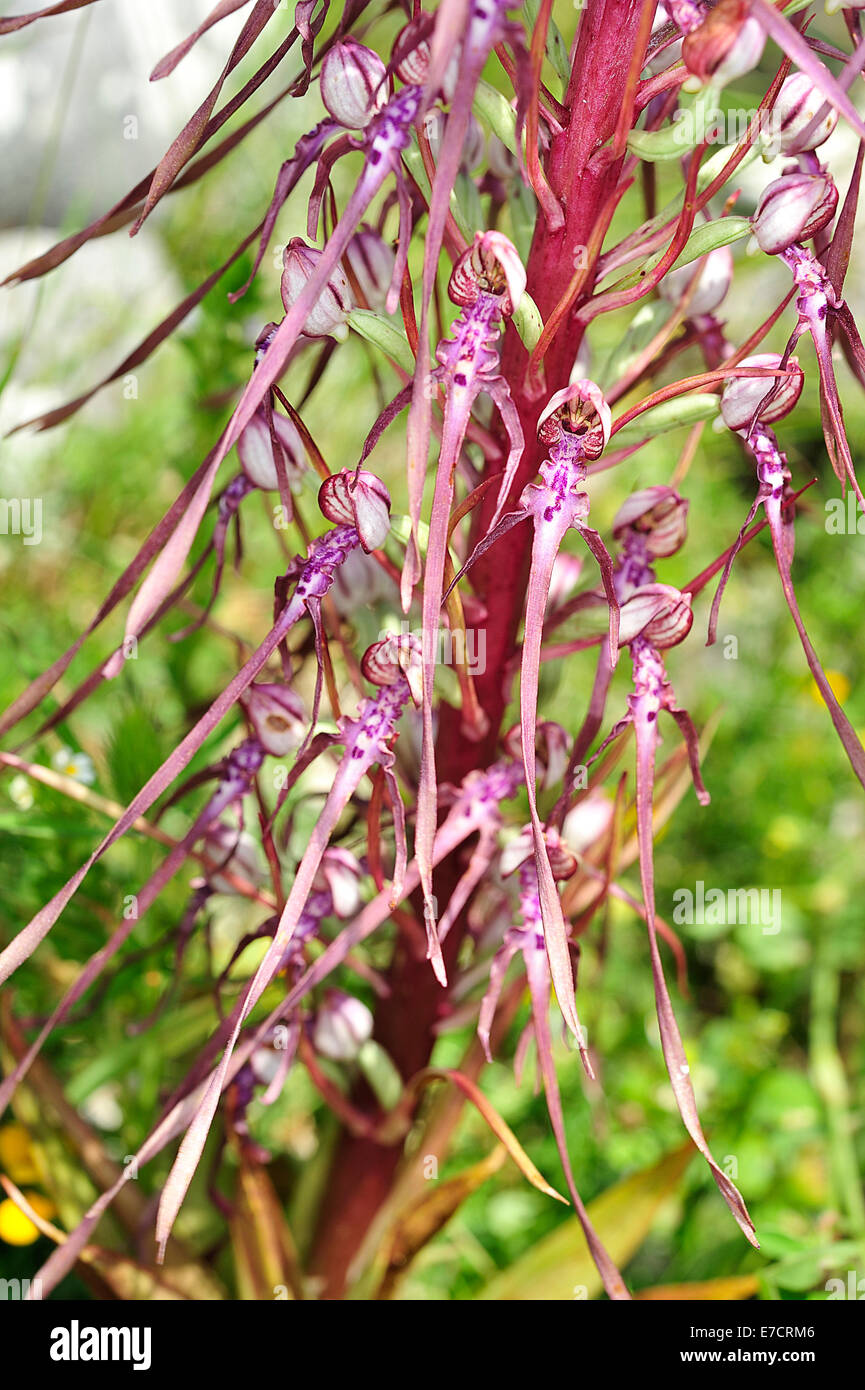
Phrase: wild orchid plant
x=525 y=249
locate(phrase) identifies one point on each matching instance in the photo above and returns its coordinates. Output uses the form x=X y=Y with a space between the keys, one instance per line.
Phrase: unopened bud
x=255 y=449
x=411 y=53
x=790 y=123
x=517 y=851
x=395 y=658
x=552 y=748
x=473 y=146
x=339 y=874
x=342 y=1026
x=228 y=854
x=370 y=261
x=715 y=279
x=658 y=512
x=359 y=499
x=500 y=161
x=658 y=612
x=563 y=861
x=491 y=265
x=353 y=86
x=327 y=317
x=726 y=45
x=589 y=820
x=277 y=715
x=742 y=395
x=792 y=209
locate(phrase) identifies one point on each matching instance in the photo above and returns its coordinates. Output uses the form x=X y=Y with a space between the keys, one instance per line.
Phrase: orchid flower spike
x=487 y=283
x=575 y=426
x=367 y=738
x=747 y=409
x=791 y=210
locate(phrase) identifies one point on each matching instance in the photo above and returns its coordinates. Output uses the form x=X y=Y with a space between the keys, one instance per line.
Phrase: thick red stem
x=582 y=173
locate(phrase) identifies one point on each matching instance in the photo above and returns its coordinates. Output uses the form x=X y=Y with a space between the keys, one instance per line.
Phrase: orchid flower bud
x=342 y=1025
x=491 y=266
x=517 y=851
x=552 y=749
x=394 y=658
x=500 y=161
x=264 y=340
x=658 y=512
x=227 y=852
x=255 y=450
x=579 y=409
x=412 y=55
x=658 y=612
x=339 y=874
x=726 y=45
x=358 y=499
x=370 y=261
x=588 y=821
x=712 y=286
x=328 y=316
x=563 y=861
x=353 y=83
x=798 y=102
x=266 y=1064
x=473 y=146
x=792 y=209
x=277 y=715
x=743 y=394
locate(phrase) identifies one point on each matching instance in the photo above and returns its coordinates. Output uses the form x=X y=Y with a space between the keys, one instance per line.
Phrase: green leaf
x=523 y=213
x=656 y=146
x=528 y=322
x=561 y=1268
x=708 y=237
x=556 y=49
x=646 y=323
x=684 y=410
x=423 y=1218
x=497 y=112
x=383 y=334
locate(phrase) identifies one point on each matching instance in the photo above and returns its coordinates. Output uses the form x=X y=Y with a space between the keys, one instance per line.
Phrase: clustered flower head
x=512 y=210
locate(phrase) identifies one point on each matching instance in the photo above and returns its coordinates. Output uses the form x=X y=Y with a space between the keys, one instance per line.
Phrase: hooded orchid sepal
x=366 y=738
